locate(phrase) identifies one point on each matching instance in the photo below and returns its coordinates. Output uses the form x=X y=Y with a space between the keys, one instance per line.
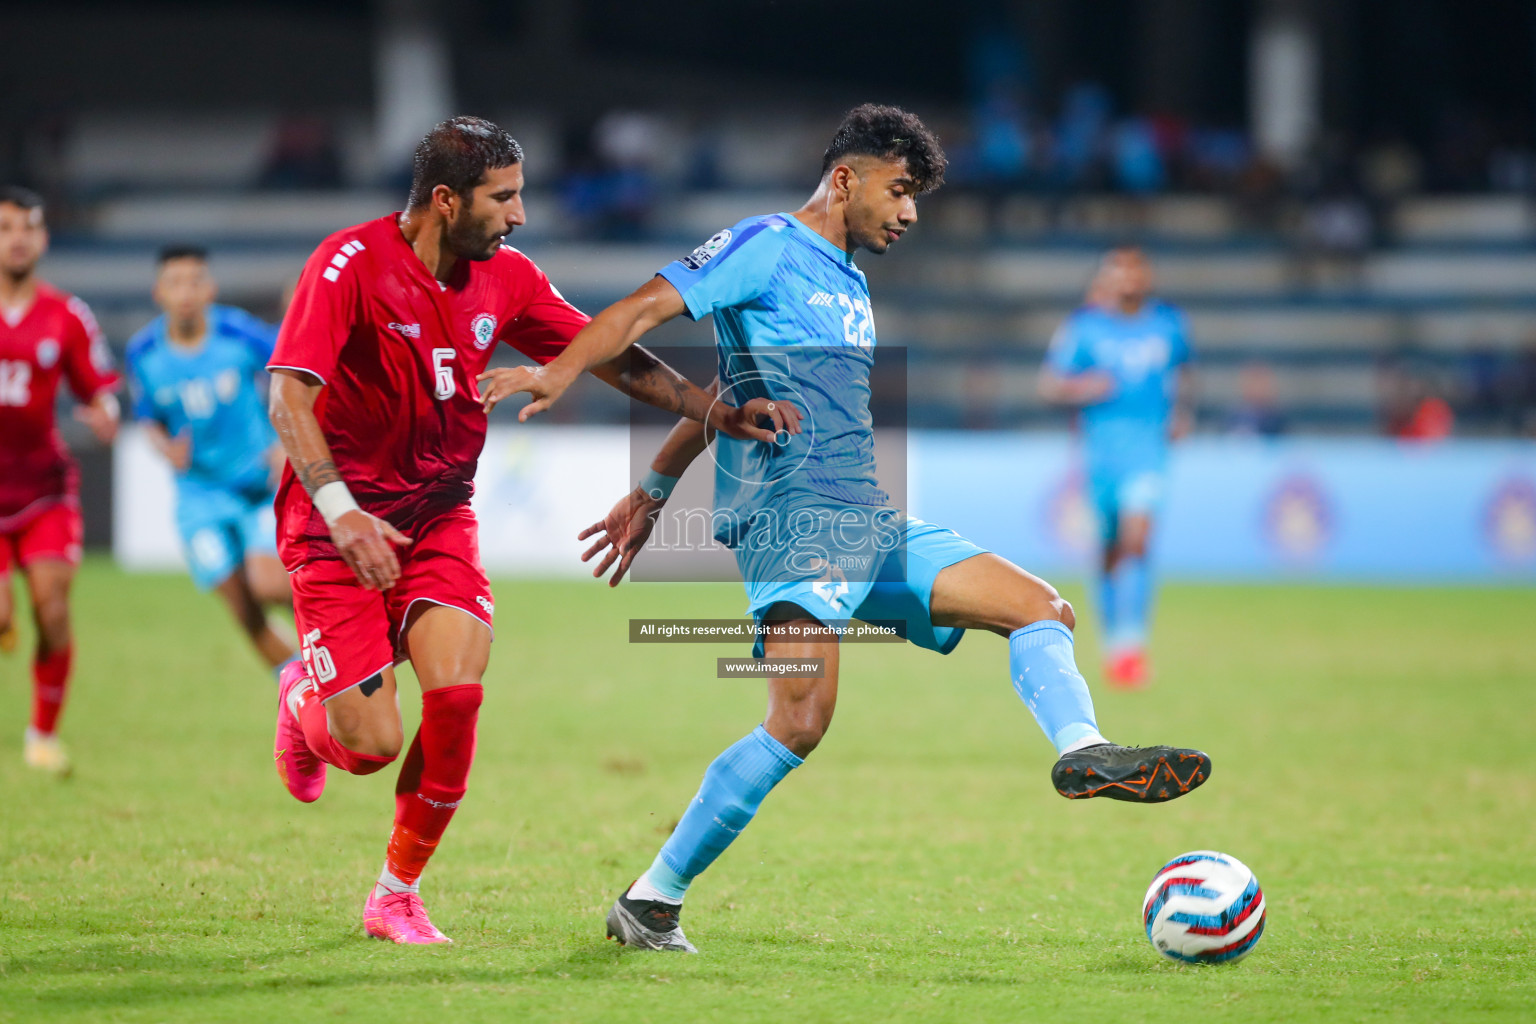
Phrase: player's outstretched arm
x=177 y=450
x=1086 y=388
x=604 y=347
x=603 y=339
x=1182 y=420
x=102 y=414
x=624 y=531
x=366 y=542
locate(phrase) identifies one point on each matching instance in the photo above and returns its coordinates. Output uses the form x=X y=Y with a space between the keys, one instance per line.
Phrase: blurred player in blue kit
x=195 y=371
x=1123 y=360
x=815 y=537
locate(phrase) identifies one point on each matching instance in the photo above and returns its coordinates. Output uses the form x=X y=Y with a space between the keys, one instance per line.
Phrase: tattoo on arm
x=652 y=381
x=315 y=475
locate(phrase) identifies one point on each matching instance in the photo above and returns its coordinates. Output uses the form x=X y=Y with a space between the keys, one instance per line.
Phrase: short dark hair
x=457 y=153
x=181 y=252
x=889 y=133
x=25 y=198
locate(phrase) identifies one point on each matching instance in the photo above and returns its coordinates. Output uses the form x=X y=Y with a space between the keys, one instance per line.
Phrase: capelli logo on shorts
x=490 y=609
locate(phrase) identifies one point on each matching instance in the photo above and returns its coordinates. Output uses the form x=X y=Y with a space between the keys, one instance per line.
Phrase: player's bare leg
x=48 y=582
x=268 y=580
x=1126 y=664
x=800 y=709
x=988 y=592
x=238 y=594
x=449 y=650
x=8 y=636
x=357 y=730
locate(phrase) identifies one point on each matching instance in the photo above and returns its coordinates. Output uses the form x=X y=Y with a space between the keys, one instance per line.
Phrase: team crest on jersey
x=706 y=252
x=484 y=329
x=47 y=353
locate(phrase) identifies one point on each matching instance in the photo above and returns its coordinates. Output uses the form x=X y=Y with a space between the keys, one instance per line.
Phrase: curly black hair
x=457 y=153
x=889 y=133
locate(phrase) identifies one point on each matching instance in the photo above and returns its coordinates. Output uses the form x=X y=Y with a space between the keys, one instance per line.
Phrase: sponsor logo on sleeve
x=706 y=252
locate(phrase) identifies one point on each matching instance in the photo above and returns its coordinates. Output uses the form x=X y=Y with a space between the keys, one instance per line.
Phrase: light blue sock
x=1046 y=677
x=1133 y=598
x=734 y=786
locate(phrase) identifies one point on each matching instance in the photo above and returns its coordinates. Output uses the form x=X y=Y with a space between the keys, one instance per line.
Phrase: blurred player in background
x=1123 y=359
x=374 y=399
x=45 y=334
x=195 y=375
x=810 y=527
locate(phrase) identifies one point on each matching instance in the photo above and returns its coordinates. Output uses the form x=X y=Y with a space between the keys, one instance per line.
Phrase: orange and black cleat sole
x=1143 y=775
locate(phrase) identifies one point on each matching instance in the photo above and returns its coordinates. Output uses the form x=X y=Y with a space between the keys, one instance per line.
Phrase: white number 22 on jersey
x=856 y=321
x=445 y=385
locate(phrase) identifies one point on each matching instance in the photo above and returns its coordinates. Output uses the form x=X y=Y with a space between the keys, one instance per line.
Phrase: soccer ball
x=1204 y=908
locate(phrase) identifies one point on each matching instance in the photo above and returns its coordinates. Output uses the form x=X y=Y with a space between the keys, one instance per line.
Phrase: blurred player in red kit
x=375 y=400
x=45 y=335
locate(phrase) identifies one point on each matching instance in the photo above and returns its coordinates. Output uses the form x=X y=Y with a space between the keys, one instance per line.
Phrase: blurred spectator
x=610 y=187
x=1390 y=169
x=1411 y=408
x=1336 y=231
x=303 y=156
x=1258 y=413
x=1003 y=153
x=1260 y=195
x=1138 y=164
x=1518 y=387
x=1080 y=134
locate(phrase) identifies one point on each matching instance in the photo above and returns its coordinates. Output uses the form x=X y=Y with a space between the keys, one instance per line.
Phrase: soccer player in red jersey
x=375 y=401
x=45 y=335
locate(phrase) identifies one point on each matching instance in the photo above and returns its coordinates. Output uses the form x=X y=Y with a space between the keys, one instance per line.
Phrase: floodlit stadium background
x=1339 y=194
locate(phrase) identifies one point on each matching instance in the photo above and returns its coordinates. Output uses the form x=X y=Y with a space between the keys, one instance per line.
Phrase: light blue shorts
x=1139 y=492
x=220 y=529
x=843 y=562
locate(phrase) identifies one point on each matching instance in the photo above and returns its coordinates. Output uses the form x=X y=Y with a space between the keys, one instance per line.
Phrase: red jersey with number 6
x=55 y=337
x=398 y=353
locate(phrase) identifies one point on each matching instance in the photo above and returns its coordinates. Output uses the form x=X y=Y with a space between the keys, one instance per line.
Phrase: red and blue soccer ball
x=1204 y=908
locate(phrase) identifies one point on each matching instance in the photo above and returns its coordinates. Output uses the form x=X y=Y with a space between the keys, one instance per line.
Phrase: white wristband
x=334 y=501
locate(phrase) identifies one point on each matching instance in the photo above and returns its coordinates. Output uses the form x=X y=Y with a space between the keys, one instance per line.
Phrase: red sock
x=317 y=734
x=50 y=680
x=433 y=777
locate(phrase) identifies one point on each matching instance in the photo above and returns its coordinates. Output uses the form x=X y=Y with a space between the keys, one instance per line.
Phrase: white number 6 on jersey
x=445 y=385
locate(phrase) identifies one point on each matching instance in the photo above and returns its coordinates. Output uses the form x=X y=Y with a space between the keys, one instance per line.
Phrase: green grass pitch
x=1373 y=763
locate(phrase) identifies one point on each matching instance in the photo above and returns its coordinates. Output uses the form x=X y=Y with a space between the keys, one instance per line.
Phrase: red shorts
x=56 y=532
x=349 y=634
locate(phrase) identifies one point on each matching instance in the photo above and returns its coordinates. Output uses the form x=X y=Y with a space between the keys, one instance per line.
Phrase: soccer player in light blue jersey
x=194 y=371
x=1123 y=359
x=814 y=535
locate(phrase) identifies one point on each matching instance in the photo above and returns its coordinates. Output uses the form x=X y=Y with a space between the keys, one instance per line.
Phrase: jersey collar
x=818 y=241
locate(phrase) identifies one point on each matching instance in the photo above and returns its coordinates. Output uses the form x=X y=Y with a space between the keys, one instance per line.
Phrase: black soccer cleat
x=649 y=924
x=1146 y=775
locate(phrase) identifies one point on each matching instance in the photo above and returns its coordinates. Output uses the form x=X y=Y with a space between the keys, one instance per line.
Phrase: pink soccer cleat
x=399 y=917
x=301 y=771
